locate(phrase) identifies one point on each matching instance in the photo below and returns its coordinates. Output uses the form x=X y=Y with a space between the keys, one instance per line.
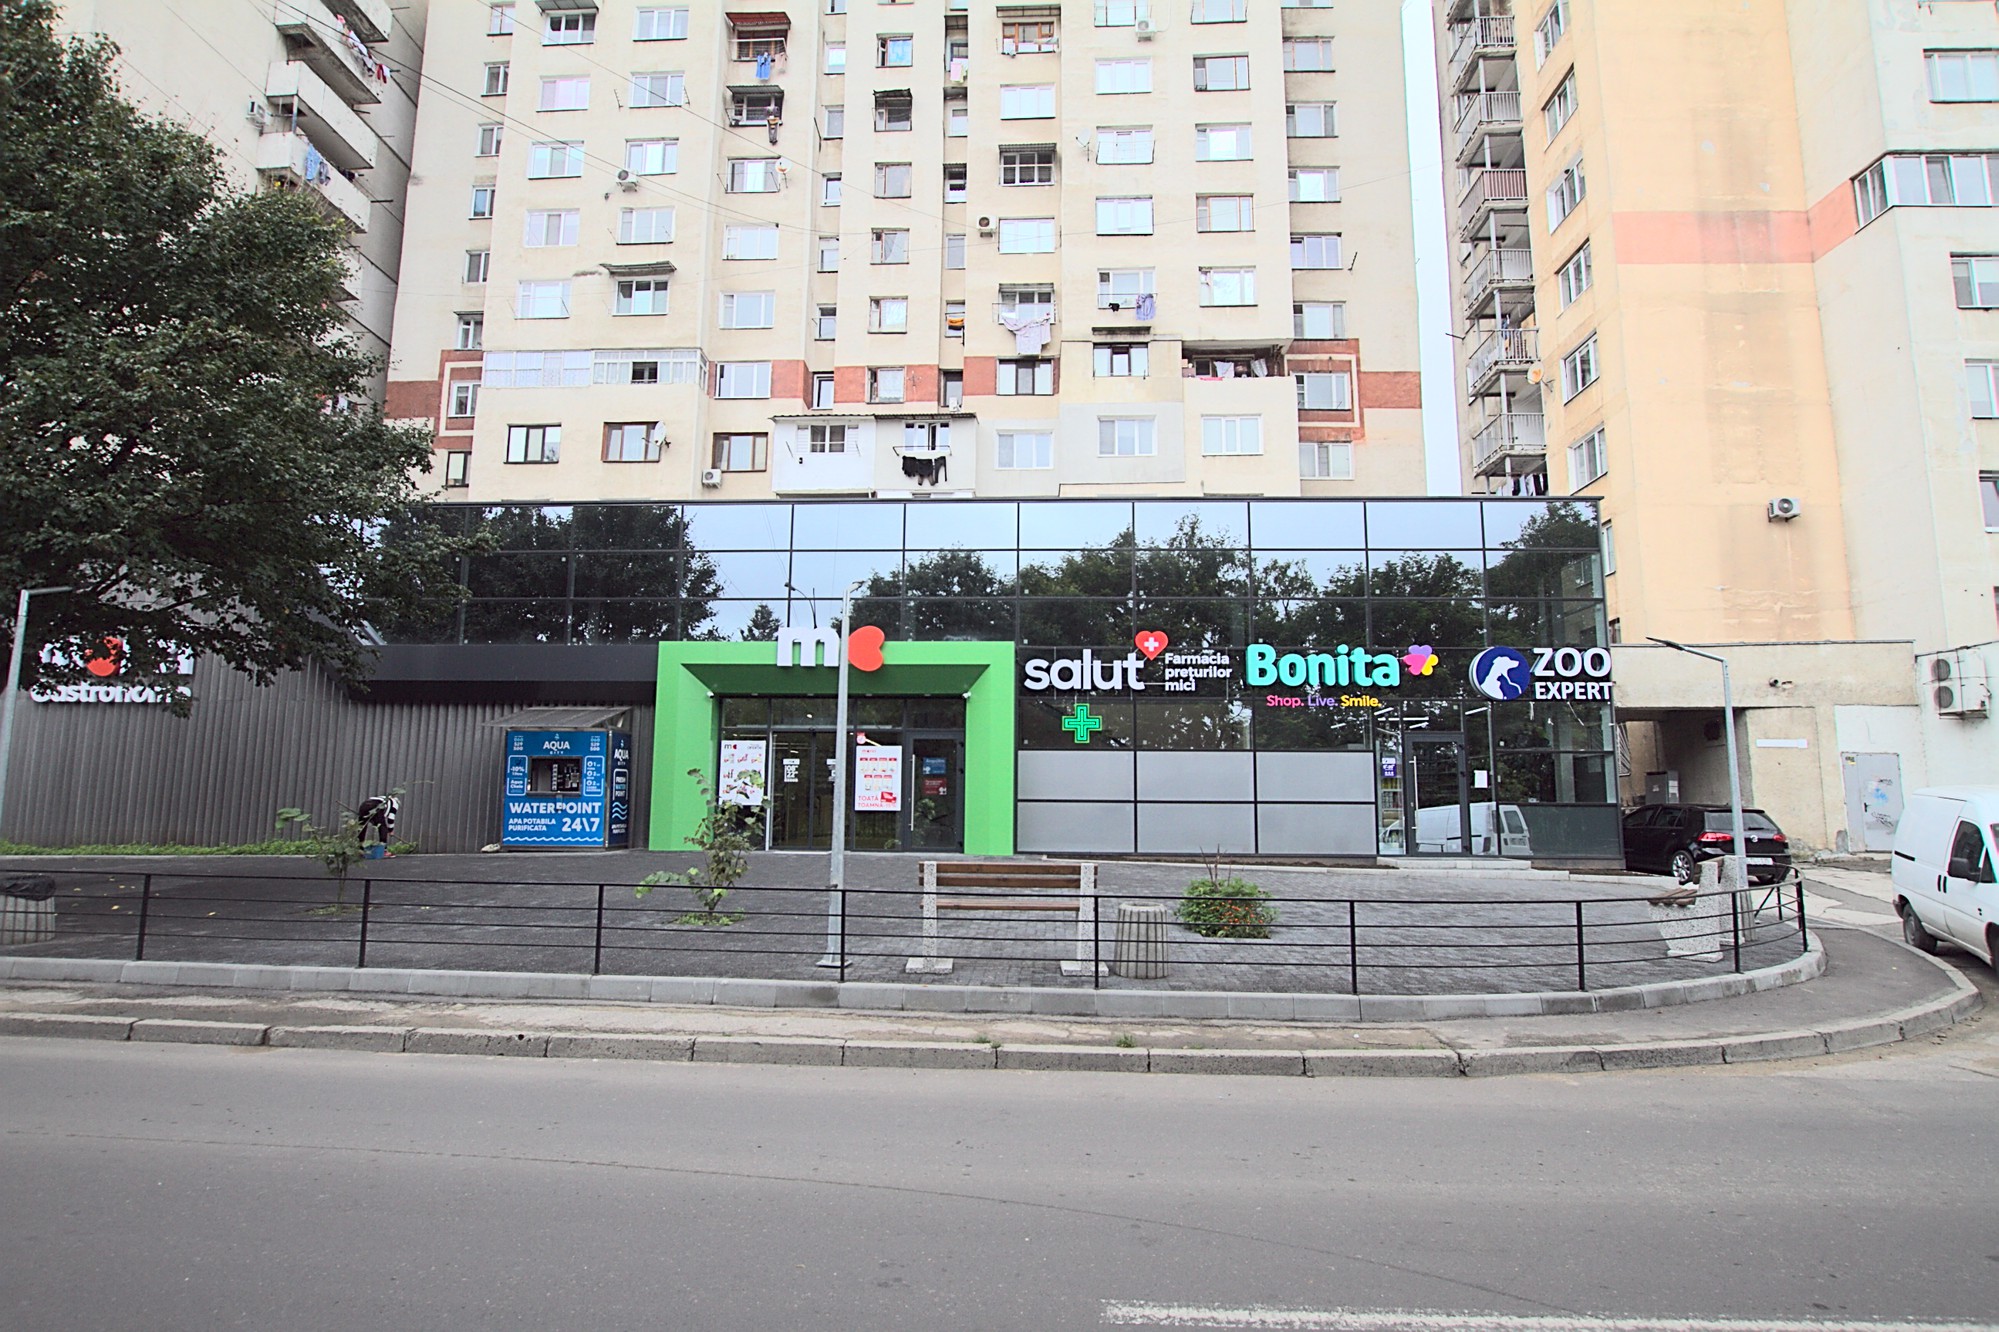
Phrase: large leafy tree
x=184 y=436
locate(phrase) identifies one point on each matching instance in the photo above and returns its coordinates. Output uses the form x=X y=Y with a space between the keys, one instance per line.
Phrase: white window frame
x=1967 y=75
x=753 y=175
x=652 y=157
x=748 y=241
x=1117 y=78
x=895 y=50
x=1325 y=460
x=1571 y=187
x=888 y=383
x=823 y=390
x=656 y=220
x=464 y=400
x=1311 y=120
x=1225 y=288
x=888 y=245
x=534 y=443
x=640 y=296
x=1219 y=11
x=659 y=87
x=836 y=58
x=1027 y=235
x=833 y=122
x=1587 y=460
x=829 y=254
x=1123 y=13
x=827 y=437
x=1124 y=215
x=1231 y=436
x=747 y=309
x=742 y=379
x=491 y=136
x=1235 y=68
x=1549 y=31
x=1975 y=281
x=483 y=197
x=1308 y=55
x=478 y=265
x=1123 y=286
x=1560 y=107
x=666 y=24
x=954 y=249
x=1316 y=251
x=564 y=92
x=546 y=298
x=1026 y=101
x=957 y=120
x=890 y=175
x=1223 y=143
x=1581 y=367
x=1224 y=212
x=1127 y=436
x=574 y=27
x=1575 y=276
x=1124 y=145
x=825 y=323
x=1981 y=384
x=500 y=20
x=1121 y=360
x=555 y=159
x=1324 y=390
x=1024 y=451
x=1314 y=184
x=471 y=335
x=542 y=224
x=1307 y=316
x=1037 y=372
x=888 y=314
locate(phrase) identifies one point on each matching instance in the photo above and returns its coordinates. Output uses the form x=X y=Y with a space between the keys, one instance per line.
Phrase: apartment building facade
x=927 y=247
x=1725 y=268
x=312 y=95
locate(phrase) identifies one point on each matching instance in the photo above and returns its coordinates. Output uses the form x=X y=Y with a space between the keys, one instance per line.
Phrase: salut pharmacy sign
x=1178 y=672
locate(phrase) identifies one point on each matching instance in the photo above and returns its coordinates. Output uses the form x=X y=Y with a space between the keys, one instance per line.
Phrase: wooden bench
x=1008 y=885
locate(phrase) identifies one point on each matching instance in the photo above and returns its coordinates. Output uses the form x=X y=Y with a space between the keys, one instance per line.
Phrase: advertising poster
x=878 y=777
x=741 y=778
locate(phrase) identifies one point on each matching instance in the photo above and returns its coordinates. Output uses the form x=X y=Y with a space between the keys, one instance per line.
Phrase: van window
x=1968 y=847
x=1515 y=821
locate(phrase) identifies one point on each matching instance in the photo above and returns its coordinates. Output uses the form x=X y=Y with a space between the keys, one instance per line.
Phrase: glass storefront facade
x=1189 y=740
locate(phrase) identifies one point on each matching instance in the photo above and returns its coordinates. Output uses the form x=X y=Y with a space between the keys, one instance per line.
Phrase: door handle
x=1943 y=884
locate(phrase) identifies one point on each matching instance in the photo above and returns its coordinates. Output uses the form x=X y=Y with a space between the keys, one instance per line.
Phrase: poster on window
x=741 y=780
x=878 y=777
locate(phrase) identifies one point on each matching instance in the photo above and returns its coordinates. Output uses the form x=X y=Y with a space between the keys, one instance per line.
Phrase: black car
x=1675 y=839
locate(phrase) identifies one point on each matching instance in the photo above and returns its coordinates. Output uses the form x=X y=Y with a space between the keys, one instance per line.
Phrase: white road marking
x=1836 y=912
x=1137 y=1314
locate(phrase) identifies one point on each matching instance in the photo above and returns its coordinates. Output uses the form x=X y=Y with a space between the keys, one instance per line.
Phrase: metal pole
x=837 y=867
x=145 y=902
x=1096 y=943
x=597 y=944
x=1741 y=841
x=1582 y=969
x=14 y=686
x=1353 y=947
x=367 y=894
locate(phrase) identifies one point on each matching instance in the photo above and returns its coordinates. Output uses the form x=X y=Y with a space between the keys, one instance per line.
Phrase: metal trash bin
x=27 y=910
x=1139 y=950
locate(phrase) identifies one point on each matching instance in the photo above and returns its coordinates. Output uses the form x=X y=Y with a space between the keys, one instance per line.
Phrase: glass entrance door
x=929 y=815
x=1439 y=799
x=936 y=798
x=801 y=790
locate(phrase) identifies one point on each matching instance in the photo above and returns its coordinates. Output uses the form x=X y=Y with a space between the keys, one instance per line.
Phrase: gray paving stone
x=1325 y=1008
x=1062 y=1003
x=766 y=1050
x=380 y=980
x=1922 y=1019
x=606 y=1045
x=636 y=989
x=1268 y=1063
x=378 y=1040
x=1660 y=1054
x=937 y=999
x=1531 y=1059
x=1135 y=1004
x=472 y=1041
x=1073 y=1058
x=97 y=971
x=1382 y=1063
x=1772 y=1045
x=79 y=1026
x=918 y=1054
x=319 y=978
x=192 y=1032
x=683 y=990
x=1861 y=1035
x=1263 y=1007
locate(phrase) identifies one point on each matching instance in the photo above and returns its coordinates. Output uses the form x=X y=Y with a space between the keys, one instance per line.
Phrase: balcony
x=350 y=275
x=1027 y=323
x=1482 y=38
x=289 y=160
x=1484 y=189
x=332 y=49
x=1483 y=114
x=1497 y=270
x=1507 y=351
x=328 y=121
x=1505 y=438
x=371 y=19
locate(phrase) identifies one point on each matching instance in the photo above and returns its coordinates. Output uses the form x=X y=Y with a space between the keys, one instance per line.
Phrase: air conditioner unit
x=1957 y=684
x=712 y=478
x=1146 y=29
x=1784 y=508
x=987 y=226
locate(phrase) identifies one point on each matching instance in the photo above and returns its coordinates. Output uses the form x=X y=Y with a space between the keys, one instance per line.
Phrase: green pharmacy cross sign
x=1082 y=723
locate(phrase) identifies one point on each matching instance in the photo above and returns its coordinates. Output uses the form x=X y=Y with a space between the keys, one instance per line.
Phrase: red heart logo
x=1151 y=643
x=864 y=648
x=107 y=661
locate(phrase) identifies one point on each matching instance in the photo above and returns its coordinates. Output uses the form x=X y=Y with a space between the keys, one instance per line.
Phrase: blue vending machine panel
x=567 y=788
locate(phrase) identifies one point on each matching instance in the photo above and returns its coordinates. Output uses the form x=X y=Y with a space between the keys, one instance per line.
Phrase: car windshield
x=1753 y=820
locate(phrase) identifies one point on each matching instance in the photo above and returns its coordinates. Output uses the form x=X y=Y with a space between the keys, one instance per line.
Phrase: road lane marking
x=1122 y=1313
x=1839 y=913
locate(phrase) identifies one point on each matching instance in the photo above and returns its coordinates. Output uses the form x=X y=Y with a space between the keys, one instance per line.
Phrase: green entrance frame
x=687 y=722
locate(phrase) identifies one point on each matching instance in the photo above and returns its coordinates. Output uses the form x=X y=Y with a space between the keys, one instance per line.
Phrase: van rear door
x=1922 y=847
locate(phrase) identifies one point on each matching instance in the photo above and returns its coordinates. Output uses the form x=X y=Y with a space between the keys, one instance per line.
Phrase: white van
x=1439 y=831
x=1947 y=868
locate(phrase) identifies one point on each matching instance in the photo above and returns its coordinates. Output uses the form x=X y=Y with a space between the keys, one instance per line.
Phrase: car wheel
x=1914 y=933
x=1684 y=867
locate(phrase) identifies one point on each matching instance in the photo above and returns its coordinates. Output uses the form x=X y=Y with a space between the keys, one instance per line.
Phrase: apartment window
x=477 y=263
x=888 y=247
x=1976 y=277
x=551 y=161
x=886 y=383
x=632 y=442
x=1031 y=297
x=640 y=296
x=1988 y=496
x=1027 y=101
x=1224 y=212
x=1981 y=381
x=951 y=388
x=753 y=175
x=957 y=120
x=489 y=140
x=836 y=58
x=1586 y=460
x=954 y=250
x=1124 y=76
x=1315 y=185
x=1308 y=55
x=1025 y=377
x=1033 y=164
x=482 y=202
x=542 y=300
x=1963 y=76
x=1306 y=4
x=1965 y=180
x=534 y=443
x=1027 y=37
x=1024 y=451
x=1122 y=360
x=457 y=469
x=1324 y=461
x=1324 y=391
x=1315 y=251
x=1124 y=216
x=471 y=332
x=1126 y=437
x=1228 y=286
x=464 y=398
x=954 y=319
x=1567 y=191
x=893 y=180
x=822 y=390
x=661 y=157
x=499 y=20
x=1549 y=30
x=1027 y=235
x=748 y=309
x=754 y=44
x=660 y=88
x=1231 y=436
x=894 y=112
x=1120 y=288
x=746 y=242
x=1220 y=11
x=573 y=28
x=1123 y=13
x=742 y=379
x=1221 y=143
x=1124 y=147
x=496 y=79
x=895 y=51
x=835 y=123
x=1574 y=277
x=1555 y=112
x=826 y=323
x=550 y=227
x=956 y=182
x=1319 y=320
x=1609 y=550
x=564 y=94
x=1226 y=73
x=826 y=439
x=888 y=314
x=1579 y=369
x=836 y=6
x=661 y=25
x=829 y=254
x=741 y=453
x=1311 y=120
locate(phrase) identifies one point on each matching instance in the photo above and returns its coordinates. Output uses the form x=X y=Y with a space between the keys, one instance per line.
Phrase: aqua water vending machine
x=567 y=788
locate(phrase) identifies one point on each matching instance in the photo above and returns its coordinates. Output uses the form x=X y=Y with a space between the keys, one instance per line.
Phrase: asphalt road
x=193 y=1187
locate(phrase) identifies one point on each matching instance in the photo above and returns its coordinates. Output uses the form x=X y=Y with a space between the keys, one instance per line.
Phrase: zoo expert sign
x=1505 y=674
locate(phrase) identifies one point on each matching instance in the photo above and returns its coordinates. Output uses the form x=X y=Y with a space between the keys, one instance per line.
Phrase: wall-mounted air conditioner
x=1957 y=684
x=712 y=478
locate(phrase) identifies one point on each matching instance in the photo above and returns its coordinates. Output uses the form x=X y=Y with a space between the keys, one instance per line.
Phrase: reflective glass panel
x=1424 y=524
x=739 y=526
x=1055 y=526
x=847 y=526
x=1307 y=525
x=1217 y=522
x=980 y=526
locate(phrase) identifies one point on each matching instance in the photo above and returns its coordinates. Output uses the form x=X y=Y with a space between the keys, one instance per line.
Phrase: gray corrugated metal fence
x=109 y=772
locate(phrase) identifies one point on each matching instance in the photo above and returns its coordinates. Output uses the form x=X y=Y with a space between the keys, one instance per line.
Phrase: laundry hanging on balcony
x=1030 y=329
x=763 y=66
x=924 y=470
x=1147 y=305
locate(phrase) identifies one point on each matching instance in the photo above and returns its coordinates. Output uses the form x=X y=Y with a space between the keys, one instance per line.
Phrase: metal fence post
x=145 y=902
x=597 y=943
x=1804 y=935
x=1096 y=942
x=1582 y=965
x=1735 y=924
x=842 y=890
x=367 y=897
x=1353 y=947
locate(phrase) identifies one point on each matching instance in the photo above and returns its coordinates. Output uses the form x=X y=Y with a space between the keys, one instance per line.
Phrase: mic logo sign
x=822 y=647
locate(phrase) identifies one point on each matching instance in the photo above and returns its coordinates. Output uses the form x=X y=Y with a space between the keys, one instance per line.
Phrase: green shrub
x=1227 y=908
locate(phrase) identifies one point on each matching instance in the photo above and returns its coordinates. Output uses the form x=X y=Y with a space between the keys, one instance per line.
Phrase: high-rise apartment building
x=1728 y=268
x=925 y=247
x=311 y=95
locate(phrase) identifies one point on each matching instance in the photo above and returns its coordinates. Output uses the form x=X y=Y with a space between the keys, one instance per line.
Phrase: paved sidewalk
x=1874 y=992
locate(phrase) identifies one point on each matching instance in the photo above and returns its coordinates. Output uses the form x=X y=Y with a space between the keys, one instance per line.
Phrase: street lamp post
x=14 y=686
x=836 y=892
x=1741 y=842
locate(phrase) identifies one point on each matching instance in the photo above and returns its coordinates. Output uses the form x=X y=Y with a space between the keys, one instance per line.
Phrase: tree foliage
x=184 y=437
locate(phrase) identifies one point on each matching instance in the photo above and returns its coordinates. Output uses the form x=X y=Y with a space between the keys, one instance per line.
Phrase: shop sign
x=821 y=647
x=586 y=800
x=109 y=683
x=1506 y=674
x=1088 y=673
x=877 y=778
x=741 y=776
x=1343 y=667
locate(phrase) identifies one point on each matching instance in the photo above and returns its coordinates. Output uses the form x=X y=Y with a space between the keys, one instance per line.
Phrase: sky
x=1433 y=267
